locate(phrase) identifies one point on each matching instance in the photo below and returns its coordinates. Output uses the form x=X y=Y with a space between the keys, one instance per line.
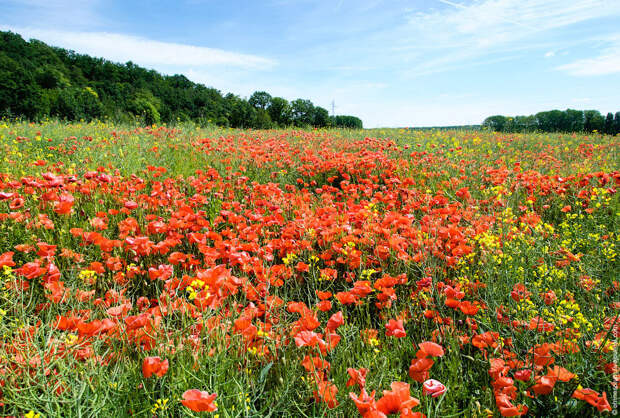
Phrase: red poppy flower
x=430 y=348
x=433 y=387
x=593 y=398
x=307 y=338
x=335 y=321
x=6 y=259
x=523 y=375
x=397 y=399
x=365 y=403
x=469 y=308
x=326 y=392
x=154 y=366
x=357 y=376
x=419 y=368
x=395 y=328
x=199 y=401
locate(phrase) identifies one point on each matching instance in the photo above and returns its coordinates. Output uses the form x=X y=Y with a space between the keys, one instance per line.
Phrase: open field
x=307 y=273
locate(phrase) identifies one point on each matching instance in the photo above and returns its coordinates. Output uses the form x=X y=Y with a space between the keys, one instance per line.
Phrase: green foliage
x=345 y=121
x=320 y=117
x=280 y=111
x=146 y=106
x=145 y=109
x=593 y=121
x=37 y=80
x=609 y=124
x=260 y=100
x=302 y=112
x=569 y=120
x=495 y=123
x=262 y=120
x=77 y=103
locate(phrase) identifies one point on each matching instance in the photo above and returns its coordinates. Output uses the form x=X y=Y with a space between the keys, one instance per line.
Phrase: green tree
x=49 y=77
x=609 y=124
x=77 y=103
x=575 y=120
x=262 y=120
x=593 y=121
x=346 y=121
x=321 y=117
x=495 y=123
x=146 y=106
x=280 y=111
x=240 y=113
x=302 y=112
x=260 y=100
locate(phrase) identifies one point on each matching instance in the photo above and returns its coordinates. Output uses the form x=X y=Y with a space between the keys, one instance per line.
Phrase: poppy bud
x=433 y=387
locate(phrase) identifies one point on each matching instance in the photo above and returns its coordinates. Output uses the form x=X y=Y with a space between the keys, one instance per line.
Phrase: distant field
x=307 y=273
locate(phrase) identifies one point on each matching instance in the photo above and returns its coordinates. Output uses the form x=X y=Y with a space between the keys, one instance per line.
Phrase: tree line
x=38 y=81
x=568 y=120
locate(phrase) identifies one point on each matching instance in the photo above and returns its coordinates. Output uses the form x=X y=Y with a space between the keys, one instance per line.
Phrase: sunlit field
x=223 y=273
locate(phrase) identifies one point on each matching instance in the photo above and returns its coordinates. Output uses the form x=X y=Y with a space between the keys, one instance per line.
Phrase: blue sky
x=390 y=62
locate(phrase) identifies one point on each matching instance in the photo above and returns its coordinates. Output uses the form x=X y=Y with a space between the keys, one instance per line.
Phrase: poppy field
x=184 y=271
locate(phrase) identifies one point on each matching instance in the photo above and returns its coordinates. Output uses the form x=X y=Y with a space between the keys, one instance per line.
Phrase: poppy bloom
x=433 y=387
x=307 y=338
x=154 y=366
x=6 y=259
x=419 y=368
x=523 y=375
x=335 y=321
x=593 y=398
x=357 y=376
x=469 y=308
x=324 y=305
x=326 y=392
x=429 y=348
x=365 y=403
x=544 y=384
x=397 y=399
x=199 y=400
x=395 y=328
x=130 y=204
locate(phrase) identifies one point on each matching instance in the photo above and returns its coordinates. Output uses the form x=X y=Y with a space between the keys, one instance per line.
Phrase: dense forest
x=38 y=81
x=568 y=120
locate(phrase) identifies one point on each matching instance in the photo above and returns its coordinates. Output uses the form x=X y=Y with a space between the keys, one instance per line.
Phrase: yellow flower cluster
x=195 y=287
x=160 y=405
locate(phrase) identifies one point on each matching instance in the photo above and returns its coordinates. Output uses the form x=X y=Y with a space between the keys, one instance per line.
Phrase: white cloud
x=550 y=54
x=608 y=62
x=462 y=32
x=143 y=51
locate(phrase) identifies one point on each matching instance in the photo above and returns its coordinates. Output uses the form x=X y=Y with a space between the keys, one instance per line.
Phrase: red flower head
x=199 y=401
x=433 y=387
x=395 y=328
x=154 y=366
x=397 y=399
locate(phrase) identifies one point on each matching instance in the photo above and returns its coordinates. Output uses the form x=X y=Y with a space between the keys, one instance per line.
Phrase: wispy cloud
x=607 y=62
x=143 y=51
x=461 y=32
